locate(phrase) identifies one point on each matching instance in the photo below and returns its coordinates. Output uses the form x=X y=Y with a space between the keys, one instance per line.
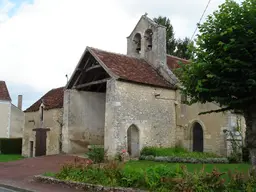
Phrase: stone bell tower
x=148 y=41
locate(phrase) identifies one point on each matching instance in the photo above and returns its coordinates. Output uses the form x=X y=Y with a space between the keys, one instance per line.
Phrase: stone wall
x=4 y=119
x=133 y=104
x=84 y=118
x=213 y=125
x=52 y=120
x=17 y=122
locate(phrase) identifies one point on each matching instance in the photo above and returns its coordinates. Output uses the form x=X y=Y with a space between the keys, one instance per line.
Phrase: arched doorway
x=198 y=138
x=133 y=141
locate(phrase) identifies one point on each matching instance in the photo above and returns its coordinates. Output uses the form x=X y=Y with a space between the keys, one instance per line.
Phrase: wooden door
x=31 y=148
x=40 y=144
x=198 y=138
x=133 y=141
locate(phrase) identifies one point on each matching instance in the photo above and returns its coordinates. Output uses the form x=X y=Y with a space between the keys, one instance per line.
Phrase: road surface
x=6 y=190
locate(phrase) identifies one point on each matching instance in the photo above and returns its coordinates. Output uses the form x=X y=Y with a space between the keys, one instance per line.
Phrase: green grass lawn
x=11 y=157
x=243 y=167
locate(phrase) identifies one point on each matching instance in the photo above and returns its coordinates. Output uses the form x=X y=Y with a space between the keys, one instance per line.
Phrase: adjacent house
x=125 y=102
x=11 y=117
x=44 y=115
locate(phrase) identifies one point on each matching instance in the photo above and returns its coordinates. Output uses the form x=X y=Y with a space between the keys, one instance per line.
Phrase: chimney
x=20 y=102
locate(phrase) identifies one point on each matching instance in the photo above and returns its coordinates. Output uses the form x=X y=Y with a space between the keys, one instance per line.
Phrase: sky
x=42 y=40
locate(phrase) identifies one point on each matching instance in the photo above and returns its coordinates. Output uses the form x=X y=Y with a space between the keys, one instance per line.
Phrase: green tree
x=224 y=70
x=180 y=47
x=184 y=48
x=170 y=40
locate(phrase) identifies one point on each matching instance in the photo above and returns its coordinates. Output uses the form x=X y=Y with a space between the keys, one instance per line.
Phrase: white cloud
x=45 y=40
x=5 y=7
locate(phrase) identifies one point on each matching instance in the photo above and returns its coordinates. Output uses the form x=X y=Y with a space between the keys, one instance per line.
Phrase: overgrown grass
x=162 y=177
x=10 y=157
x=175 y=152
x=243 y=167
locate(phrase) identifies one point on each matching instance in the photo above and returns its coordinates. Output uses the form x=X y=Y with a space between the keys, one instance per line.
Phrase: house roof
x=53 y=99
x=4 y=93
x=130 y=68
x=173 y=62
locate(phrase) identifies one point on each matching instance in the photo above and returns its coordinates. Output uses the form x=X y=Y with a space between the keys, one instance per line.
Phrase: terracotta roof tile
x=52 y=100
x=173 y=61
x=131 y=68
x=4 y=93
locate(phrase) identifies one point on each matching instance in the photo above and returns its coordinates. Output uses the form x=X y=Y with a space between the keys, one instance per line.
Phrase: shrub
x=175 y=152
x=131 y=177
x=156 y=178
x=235 y=158
x=96 y=154
x=184 y=159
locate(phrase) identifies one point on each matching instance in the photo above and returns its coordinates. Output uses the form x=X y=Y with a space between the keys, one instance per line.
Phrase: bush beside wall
x=175 y=152
x=183 y=159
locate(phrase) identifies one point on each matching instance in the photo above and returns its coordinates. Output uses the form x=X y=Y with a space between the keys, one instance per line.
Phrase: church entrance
x=198 y=138
x=133 y=141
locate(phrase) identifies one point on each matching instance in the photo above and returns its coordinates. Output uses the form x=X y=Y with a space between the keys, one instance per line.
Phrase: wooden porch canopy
x=96 y=67
x=90 y=74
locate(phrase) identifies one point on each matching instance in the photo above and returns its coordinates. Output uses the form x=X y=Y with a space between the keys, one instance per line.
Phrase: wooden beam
x=80 y=76
x=89 y=68
x=93 y=67
x=88 y=64
x=92 y=83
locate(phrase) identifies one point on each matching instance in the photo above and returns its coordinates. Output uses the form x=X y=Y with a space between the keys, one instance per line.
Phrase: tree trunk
x=250 y=138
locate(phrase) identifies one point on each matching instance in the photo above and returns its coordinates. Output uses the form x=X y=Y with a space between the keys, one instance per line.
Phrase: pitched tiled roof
x=52 y=100
x=173 y=61
x=130 y=68
x=4 y=93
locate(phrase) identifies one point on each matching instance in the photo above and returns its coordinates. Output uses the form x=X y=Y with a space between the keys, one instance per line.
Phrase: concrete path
x=20 y=173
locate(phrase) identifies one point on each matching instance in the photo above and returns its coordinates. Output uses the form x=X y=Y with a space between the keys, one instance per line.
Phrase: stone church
x=132 y=101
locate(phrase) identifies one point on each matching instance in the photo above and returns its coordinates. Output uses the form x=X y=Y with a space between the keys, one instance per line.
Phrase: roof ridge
x=121 y=54
x=175 y=57
x=58 y=88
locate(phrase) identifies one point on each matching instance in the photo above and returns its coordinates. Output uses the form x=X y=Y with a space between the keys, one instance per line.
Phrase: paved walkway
x=20 y=173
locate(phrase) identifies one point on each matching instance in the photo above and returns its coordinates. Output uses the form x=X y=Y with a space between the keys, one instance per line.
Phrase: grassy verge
x=10 y=157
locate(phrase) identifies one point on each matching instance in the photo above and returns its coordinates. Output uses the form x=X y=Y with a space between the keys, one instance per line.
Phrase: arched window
x=137 y=42
x=148 y=37
x=133 y=141
x=198 y=137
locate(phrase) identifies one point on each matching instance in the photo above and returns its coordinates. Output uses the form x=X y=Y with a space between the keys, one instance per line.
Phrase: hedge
x=11 y=146
x=184 y=159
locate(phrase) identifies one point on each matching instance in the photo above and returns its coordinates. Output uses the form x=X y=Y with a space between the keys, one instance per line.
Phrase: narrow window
x=137 y=42
x=148 y=37
x=42 y=113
